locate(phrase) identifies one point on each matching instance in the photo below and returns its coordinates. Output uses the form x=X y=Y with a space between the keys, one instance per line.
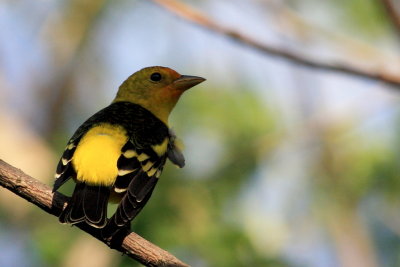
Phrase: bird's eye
x=155 y=77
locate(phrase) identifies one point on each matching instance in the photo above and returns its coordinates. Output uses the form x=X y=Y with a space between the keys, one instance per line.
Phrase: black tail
x=88 y=204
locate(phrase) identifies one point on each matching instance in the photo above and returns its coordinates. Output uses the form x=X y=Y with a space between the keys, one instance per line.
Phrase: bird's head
x=157 y=89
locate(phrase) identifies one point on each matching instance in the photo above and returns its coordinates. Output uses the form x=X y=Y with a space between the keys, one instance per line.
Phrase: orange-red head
x=157 y=89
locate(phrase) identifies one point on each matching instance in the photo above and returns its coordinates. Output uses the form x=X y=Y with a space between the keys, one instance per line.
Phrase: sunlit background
x=286 y=166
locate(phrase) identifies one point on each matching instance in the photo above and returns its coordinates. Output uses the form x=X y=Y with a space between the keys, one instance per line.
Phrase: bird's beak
x=185 y=82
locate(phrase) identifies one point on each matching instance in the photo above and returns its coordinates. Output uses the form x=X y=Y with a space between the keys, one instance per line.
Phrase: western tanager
x=119 y=153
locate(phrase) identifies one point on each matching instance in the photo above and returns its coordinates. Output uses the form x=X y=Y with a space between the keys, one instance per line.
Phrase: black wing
x=65 y=169
x=139 y=170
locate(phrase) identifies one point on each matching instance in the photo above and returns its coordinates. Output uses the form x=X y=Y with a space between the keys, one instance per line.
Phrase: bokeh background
x=286 y=165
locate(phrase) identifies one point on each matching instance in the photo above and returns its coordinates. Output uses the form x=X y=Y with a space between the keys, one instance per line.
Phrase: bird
x=118 y=154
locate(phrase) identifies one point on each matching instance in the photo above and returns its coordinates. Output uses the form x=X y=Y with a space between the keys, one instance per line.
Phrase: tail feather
x=95 y=205
x=88 y=204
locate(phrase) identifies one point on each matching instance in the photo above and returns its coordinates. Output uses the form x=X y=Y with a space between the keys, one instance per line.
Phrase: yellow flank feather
x=179 y=144
x=95 y=158
x=160 y=149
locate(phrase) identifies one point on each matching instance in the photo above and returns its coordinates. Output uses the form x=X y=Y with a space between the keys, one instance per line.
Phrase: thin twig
x=194 y=16
x=393 y=14
x=40 y=194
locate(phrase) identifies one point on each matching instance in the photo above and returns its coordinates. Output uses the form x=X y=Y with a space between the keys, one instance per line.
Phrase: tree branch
x=40 y=194
x=193 y=16
x=393 y=14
